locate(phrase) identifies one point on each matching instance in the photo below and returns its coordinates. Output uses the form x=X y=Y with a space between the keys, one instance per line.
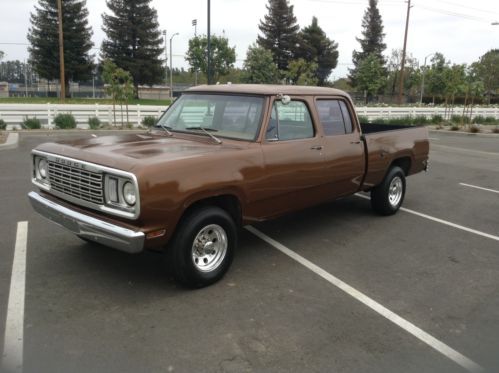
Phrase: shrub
x=474 y=128
x=149 y=121
x=94 y=123
x=480 y=119
x=3 y=125
x=495 y=130
x=31 y=123
x=65 y=121
x=436 y=119
x=490 y=120
x=455 y=127
x=404 y=121
x=459 y=119
x=363 y=119
x=421 y=120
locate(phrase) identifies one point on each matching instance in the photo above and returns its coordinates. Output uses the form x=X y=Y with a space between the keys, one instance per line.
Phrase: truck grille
x=77 y=183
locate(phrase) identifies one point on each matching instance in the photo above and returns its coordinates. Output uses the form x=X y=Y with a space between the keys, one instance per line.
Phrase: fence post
x=139 y=119
x=49 y=117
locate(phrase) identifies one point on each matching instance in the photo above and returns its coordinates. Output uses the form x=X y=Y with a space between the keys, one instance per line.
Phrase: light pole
x=171 y=67
x=422 y=80
x=195 y=24
x=209 y=43
x=166 y=56
x=402 y=65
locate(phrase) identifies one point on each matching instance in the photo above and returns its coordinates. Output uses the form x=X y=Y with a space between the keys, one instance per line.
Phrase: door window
x=290 y=122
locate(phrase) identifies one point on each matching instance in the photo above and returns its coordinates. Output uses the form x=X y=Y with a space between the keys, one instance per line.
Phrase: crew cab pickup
x=222 y=157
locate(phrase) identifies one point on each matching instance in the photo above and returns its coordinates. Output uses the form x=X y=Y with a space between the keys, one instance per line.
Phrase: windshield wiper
x=205 y=130
x=165 y=128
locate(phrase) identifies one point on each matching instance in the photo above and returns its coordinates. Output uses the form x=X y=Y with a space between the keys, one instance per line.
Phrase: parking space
x=93 y=309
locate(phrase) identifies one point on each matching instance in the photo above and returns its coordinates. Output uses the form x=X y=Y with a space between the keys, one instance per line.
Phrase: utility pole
x=209 y=43
x=402 y=65
x=61 y=53
x=422 y=82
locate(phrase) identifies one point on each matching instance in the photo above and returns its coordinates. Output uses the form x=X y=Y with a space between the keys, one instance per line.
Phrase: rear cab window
x=334 y=117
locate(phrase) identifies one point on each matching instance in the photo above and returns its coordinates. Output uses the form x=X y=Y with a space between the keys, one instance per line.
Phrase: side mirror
x=285 y=99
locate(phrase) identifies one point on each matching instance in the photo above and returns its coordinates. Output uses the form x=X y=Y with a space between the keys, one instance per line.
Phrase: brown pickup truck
x=222 y=157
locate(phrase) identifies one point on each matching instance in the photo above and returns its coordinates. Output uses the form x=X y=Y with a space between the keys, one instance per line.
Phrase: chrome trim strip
x=85 y=226
x=133 y=212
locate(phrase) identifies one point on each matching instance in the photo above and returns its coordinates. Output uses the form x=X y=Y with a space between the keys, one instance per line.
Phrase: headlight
x=129 y=194
x=43 y=168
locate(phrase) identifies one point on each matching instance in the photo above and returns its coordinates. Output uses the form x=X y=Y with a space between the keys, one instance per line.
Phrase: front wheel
x=203 y=247
x=387 y=197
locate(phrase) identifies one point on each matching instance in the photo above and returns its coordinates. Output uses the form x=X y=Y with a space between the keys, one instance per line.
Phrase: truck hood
x=125 y=152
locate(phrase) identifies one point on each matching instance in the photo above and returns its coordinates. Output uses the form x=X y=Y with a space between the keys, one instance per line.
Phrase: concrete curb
x=464 y=133
x=11 y=142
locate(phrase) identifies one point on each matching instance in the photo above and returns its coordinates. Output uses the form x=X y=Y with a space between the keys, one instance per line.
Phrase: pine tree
x=371 y=42
x=280 y=32
x=134 y=41
x=316 y=46
x=44 y=40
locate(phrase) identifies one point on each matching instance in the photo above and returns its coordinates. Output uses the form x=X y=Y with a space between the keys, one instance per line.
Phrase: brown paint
x=266 y=178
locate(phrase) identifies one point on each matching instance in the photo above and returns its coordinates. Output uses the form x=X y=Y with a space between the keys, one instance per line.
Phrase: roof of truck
x=268 y=89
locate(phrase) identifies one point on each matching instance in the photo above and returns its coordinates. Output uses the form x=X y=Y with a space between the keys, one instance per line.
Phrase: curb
x=464 y=133
x=11 y=142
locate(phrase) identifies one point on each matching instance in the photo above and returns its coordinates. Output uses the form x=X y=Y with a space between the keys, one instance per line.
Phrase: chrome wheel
x=395 y=191
x=209 y=248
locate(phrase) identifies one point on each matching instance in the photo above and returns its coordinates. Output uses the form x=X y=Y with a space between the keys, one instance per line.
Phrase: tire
x=216 y=234
x=387 y=197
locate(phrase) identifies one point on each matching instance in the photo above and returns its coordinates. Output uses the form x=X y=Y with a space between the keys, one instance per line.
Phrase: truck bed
x=386 y=144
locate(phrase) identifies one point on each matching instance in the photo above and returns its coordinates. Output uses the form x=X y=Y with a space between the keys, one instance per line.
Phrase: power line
x=454 y=14
x=488 y=11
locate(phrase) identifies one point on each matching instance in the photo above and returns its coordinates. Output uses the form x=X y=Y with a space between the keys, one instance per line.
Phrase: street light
x=422 y=81
x=195 y=24
x=171 y=67
x=166 y=56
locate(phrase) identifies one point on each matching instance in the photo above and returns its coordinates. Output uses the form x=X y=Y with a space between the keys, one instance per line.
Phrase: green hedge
x=149 y=121
x=3 y=125
x=94 y=123
x=31 y=123
x=65 y=121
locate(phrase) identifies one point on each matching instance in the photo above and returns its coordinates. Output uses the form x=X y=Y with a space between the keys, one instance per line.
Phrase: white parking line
x=481 y=188
x=12 y=357
x=423 y=336
x=441 y=221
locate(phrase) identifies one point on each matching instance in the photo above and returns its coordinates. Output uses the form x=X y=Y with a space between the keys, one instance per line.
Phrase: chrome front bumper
x=85 y=226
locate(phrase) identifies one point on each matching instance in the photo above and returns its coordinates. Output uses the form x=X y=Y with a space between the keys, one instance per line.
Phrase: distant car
x=222 y=157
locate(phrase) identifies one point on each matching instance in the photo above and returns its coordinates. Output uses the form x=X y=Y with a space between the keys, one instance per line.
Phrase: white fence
x=14 y=114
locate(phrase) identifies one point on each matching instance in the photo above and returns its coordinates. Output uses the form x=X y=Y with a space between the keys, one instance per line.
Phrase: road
x=88 y=308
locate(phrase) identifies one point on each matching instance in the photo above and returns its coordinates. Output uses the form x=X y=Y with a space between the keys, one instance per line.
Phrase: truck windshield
x=230 y=116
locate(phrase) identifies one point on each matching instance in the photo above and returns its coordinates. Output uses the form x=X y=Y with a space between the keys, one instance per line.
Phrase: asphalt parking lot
x=434 y=265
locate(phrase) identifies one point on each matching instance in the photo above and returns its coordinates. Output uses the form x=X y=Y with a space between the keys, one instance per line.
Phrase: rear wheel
x=387 y=197
x=202 y=249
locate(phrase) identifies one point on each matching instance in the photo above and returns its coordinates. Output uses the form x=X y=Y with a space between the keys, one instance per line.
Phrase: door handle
x=355 y=142
x=316 y=147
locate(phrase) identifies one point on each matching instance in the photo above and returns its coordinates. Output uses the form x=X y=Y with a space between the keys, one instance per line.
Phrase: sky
x=460 y=29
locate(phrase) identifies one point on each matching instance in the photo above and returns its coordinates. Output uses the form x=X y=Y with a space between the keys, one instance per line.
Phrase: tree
x=279 y=32
x=133 y=40
x=412 y=73
x=44 y=41
x=370 y=75
x=222 y=55
x=119 y=85
x=371 y=41
x=259 y=66
x=315 y=45
x=302 y=72
x=488 y=71
x=2 y=55
x=436 y=76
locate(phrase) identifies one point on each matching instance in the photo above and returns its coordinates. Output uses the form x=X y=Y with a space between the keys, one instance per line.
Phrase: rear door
x=343 y=148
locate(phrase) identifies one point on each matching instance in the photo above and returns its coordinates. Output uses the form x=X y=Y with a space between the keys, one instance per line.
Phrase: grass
x=77 y=101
